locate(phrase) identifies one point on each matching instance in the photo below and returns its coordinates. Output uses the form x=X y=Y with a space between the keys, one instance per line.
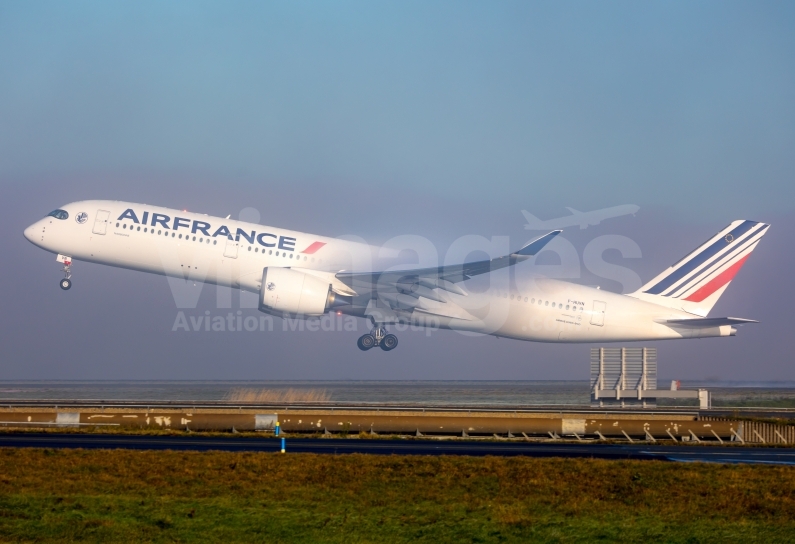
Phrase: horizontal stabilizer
x=709 y=322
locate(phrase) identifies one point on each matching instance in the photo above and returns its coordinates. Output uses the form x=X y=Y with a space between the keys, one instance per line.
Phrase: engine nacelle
x=288 y=291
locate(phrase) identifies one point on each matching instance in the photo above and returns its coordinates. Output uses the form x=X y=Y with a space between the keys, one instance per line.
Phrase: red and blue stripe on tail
x=696 y=282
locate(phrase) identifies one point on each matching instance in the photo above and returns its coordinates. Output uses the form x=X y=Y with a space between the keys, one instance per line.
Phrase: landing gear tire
x=366 y=342
x=389 y=342
x=66 y=283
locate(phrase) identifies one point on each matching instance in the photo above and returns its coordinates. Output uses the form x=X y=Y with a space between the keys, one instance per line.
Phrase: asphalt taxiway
x=682 y=453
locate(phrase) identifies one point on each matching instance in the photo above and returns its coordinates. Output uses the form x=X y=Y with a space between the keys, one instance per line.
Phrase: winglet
x=536 y=245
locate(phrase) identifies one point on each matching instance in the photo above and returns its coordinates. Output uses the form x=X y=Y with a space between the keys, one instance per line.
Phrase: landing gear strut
x=378 y=337
x=66 y=282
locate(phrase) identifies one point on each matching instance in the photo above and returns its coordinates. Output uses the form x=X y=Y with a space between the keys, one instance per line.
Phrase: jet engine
x=287 y=291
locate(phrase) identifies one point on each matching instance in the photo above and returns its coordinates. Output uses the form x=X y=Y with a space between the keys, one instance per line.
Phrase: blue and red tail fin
x=696 y=282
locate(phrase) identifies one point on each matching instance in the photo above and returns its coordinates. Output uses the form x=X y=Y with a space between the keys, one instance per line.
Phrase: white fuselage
x=233 y=253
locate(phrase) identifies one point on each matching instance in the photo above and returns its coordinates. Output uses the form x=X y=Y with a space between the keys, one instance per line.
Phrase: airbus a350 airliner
x=302 y=275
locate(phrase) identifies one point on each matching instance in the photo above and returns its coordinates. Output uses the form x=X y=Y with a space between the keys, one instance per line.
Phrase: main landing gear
x=66 y=282
x=378 y=337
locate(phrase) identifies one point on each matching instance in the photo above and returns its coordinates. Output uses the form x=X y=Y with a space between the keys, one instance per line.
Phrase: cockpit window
x=59 y=214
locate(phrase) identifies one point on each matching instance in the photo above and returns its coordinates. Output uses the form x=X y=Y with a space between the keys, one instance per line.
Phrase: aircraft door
x=598 y=315
x=101 y=222
x=230 y=251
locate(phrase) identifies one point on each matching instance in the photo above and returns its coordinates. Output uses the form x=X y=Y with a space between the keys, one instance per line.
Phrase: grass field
x=127 y=496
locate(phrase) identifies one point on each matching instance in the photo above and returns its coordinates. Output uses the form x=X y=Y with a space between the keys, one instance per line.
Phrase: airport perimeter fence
x=760 y=432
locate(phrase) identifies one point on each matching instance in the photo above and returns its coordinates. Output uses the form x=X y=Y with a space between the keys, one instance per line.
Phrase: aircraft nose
x=30 y=232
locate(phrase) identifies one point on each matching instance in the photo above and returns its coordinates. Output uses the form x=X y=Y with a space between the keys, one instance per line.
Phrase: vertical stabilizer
x=695 y=283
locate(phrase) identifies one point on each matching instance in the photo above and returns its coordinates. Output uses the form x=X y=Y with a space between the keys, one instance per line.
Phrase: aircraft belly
x=624 y=320
x=542 y=325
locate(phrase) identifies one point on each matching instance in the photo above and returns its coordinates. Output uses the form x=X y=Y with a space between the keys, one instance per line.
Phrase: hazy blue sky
x=377 y=119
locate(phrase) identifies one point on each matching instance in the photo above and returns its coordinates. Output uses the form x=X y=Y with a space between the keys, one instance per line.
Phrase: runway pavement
x=714 y=454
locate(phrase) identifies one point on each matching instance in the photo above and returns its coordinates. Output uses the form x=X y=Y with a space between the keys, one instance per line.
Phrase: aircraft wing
x=709 y=321
x=402 y=288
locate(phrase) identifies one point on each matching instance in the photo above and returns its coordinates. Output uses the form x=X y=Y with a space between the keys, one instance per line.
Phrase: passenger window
x=277 y=253
x=215 y=242
x=117 y=225
x=546 y=303
x=138 y=229
x=180 y=237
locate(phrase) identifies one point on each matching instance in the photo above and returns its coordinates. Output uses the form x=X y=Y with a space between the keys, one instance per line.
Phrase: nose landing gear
x=378 y=337
x=66 y=282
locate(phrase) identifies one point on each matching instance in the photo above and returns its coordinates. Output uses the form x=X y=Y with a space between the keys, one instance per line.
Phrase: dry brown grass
x=278 y=396
x=190 y=496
